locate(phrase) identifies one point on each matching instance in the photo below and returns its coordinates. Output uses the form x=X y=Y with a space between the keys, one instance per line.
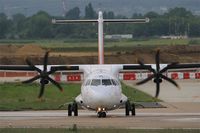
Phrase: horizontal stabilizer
x=146 y=20
x=54 y=21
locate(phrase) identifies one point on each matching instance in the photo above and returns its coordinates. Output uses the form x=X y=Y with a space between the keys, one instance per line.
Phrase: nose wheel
x=101 y=114
x=129 y=108
x=73 y=108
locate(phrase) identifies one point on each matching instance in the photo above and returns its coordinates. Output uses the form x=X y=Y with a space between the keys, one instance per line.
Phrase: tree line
x=177 y=21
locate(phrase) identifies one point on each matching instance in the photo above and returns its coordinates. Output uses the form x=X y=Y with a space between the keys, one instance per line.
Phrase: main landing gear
x=73 y=108
x=129 y=108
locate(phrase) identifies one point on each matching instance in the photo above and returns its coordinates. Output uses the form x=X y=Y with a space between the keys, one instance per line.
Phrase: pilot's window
x=117 y=82
x=96 y=82
x=106 y=82
x=88 y=83
x=113 y=82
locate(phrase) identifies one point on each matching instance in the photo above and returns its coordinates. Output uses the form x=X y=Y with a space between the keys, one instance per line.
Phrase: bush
x=194 y=41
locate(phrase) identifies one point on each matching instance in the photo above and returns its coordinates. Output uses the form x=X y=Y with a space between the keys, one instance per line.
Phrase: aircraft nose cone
x=105 y=96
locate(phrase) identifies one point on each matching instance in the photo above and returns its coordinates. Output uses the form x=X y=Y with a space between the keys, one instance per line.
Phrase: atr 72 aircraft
x=101 y=89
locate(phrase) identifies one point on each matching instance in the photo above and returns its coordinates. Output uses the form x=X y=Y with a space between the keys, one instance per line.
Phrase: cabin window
x=106 y=82
x=96 y=82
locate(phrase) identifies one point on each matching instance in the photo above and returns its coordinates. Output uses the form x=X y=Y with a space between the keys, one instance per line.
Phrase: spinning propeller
x=158 y=73
x=43 y=75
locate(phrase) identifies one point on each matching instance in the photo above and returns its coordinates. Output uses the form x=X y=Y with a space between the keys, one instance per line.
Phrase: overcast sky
x=124 y=7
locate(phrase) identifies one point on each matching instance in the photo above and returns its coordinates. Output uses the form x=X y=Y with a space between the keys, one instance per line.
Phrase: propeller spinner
x=157 y=75
x=43 y=75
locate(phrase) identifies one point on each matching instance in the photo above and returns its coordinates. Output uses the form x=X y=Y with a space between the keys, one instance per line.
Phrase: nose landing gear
x=101 y=112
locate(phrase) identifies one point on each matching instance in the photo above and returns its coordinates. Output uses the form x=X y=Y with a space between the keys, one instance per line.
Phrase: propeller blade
x=55 y=83
x=32 y=79
x=148 y=68
x=170 y=80
x=45 y=61
x=41 y=90
x=52 y=71
x=33 y=66
x=173 y=63
x=157 y=87
x=145 y=80
x=157 y=59
x=140 y=62
x=170 y=65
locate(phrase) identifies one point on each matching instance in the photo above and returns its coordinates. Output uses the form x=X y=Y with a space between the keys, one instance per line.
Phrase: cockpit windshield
x=96 y=82
x=105 y=82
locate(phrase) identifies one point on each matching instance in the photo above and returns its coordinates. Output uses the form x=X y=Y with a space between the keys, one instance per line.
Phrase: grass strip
x=17 y=96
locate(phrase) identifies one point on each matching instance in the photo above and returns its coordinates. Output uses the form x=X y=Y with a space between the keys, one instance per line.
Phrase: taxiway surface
x=175 y=116
x=189 y=90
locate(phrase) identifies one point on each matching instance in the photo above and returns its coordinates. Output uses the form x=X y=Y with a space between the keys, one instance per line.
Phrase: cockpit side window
x=87 y=82
x=96 y=82
x=117 y=82
x=113 y=82
x=106 y=82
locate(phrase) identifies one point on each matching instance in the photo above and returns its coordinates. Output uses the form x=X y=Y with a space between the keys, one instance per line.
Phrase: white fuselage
x=101 y=89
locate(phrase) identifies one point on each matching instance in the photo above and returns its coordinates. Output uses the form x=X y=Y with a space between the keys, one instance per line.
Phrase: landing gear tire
x=127 y=108
x=69 y=110
x=133 y=109
x=75 y=109
x=101 y=114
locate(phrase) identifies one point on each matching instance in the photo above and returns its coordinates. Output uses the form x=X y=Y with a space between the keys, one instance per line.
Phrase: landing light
x=99 y=109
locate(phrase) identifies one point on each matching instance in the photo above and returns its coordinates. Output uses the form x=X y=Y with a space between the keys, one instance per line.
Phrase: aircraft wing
x=157 y=73
x=64 y=68
x=181 y=66
x=18 y=68
x=164 y=67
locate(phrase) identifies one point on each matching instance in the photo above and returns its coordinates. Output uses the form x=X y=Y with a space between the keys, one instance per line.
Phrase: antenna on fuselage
x=100 y=22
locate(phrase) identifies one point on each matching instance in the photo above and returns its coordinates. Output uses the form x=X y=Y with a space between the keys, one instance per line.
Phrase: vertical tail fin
x=100 y=39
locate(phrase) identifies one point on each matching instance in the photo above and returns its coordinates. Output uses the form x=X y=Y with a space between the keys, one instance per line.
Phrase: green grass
x=135 y=95
x=17 y=96
x=63 y=130
x=93 y=42
x=24 y=97
x=86 y=45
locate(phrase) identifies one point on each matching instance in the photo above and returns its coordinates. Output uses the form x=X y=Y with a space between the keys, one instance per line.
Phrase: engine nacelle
x=160 y=80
